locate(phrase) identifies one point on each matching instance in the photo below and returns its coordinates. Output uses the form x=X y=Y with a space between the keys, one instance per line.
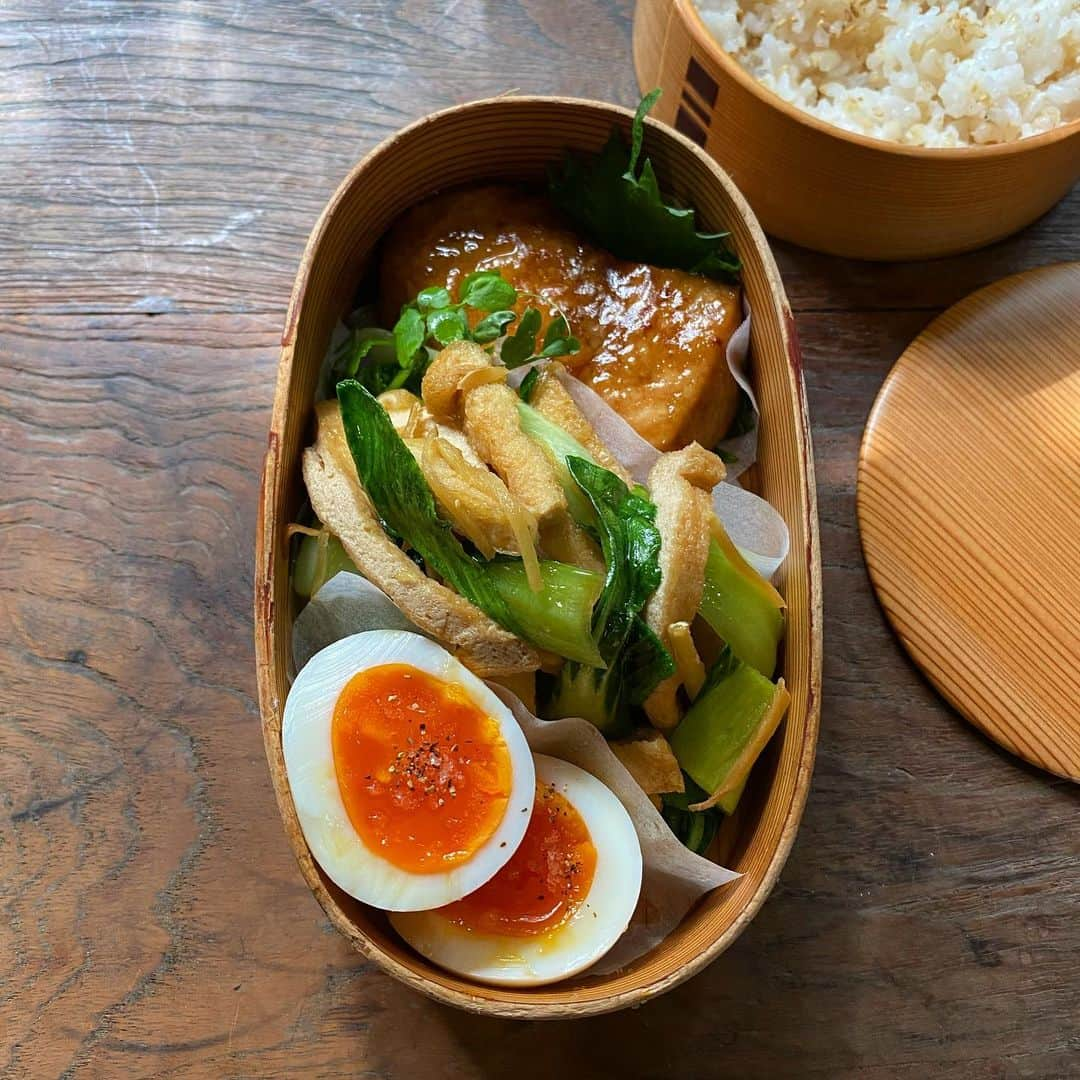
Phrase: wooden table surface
x=161 y=164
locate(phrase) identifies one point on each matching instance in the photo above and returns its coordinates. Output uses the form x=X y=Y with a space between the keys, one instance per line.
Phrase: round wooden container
x=832 y=190
x=513 y=139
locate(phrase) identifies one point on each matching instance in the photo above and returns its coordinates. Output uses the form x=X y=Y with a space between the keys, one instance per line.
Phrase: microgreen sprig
x=434 y=319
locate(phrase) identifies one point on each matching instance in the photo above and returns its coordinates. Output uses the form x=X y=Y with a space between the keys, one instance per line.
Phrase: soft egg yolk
x=423 y=771
x=544 y=882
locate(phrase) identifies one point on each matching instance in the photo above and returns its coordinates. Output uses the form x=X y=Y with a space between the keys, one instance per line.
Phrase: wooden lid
x=969 y=509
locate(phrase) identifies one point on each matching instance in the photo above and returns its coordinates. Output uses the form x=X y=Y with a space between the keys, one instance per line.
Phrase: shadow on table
x=754 y=1012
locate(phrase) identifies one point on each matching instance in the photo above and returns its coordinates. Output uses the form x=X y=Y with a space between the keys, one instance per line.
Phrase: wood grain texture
x=834 y=190
x=154 y=920
x=969 y=510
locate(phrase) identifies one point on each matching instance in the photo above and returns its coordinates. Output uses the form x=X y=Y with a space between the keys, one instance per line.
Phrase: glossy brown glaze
x=652 y=341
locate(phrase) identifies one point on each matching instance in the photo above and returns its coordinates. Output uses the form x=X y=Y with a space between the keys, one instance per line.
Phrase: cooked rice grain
x=924 y=74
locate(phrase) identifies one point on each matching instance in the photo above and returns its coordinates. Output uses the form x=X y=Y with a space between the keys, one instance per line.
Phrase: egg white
x=309 y=762
x=587 y=935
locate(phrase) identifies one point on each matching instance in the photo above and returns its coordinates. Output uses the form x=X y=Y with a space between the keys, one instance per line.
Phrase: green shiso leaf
x=615 y=199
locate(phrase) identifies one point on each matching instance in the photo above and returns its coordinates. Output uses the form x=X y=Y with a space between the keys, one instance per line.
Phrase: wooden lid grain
x=969 y=509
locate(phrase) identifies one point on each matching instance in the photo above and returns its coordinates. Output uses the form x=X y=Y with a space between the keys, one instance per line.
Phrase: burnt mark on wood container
x=689 y=127
x=703 y=83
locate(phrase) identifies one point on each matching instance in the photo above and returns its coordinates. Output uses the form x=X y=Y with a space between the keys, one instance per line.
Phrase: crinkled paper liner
x=755 y=527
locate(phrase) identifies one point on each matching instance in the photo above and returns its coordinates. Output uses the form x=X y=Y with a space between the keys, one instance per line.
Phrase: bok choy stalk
x=634 y=658
x=727 y=727
x=560 y=446
x=559 y=615
x=741 y=606
x=558 y=618
x=319 y=558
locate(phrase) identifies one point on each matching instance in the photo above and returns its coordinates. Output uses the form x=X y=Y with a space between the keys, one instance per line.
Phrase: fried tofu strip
x=553 y=400
x=474 y=500
x=469 y=495
x=493 y=426
x=339 y=499
x=413 y=420
x=408 y=414
x=679 y=485
x=562 y=539
x=650 y=761
x=457 y=389
x=494 y=429
x=463 y=386
x=448 y=377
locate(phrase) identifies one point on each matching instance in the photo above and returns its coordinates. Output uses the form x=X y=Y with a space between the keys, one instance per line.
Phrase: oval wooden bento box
x=513 y=138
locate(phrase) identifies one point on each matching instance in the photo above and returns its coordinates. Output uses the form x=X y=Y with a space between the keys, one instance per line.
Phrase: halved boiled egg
x=412 y=781
x=559 y=904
